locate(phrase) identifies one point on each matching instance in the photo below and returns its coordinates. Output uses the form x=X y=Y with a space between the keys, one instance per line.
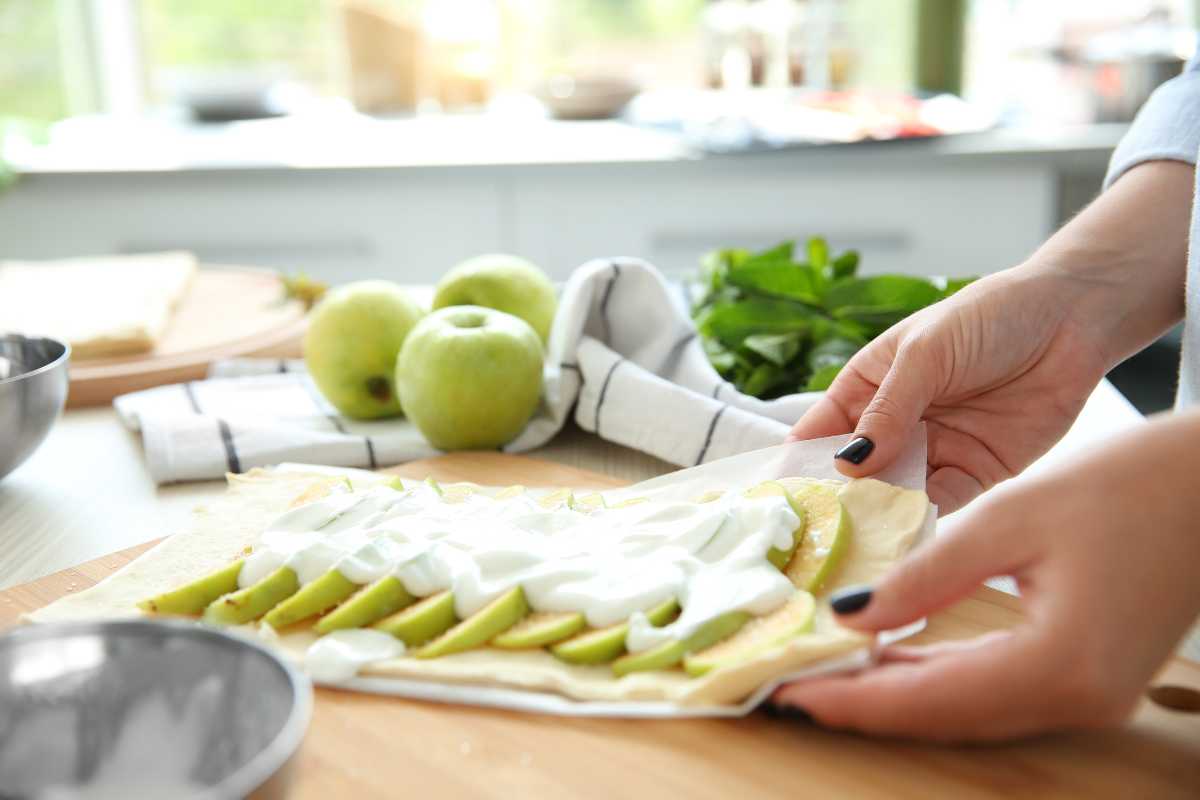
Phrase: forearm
x=1118 y=267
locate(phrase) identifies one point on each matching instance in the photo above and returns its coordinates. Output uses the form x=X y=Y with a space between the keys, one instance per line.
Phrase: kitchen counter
x=492 y=141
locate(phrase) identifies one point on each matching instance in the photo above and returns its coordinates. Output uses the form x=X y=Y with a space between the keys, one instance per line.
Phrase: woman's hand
x=1107 y=556
x=1000 y=370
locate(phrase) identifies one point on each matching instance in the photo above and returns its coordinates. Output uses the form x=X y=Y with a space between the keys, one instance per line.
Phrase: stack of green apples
x=469 y=374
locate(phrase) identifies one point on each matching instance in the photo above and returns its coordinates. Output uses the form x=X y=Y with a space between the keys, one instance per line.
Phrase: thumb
x=887 y=422
x=939 y=573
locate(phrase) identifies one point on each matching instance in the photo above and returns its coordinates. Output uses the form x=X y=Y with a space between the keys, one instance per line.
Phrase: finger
x=977 y=693
x=886 y=424
x=826 y=418
x=940 y=572
x=950 y=488
x=896 y=654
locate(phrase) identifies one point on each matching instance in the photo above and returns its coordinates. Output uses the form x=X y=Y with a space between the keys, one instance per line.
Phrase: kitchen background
x=350 y=139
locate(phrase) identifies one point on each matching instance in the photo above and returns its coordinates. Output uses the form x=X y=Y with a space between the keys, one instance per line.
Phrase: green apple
x=470 y=377
x=353 y=340
x=505 y=283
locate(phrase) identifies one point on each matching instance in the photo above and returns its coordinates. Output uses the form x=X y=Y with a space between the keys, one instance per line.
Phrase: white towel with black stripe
x=623 y=355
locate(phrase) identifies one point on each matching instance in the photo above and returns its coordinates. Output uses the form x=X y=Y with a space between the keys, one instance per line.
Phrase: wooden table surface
x=367 y=746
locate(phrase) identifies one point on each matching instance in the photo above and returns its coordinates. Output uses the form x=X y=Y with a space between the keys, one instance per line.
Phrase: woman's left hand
x=1107 y=557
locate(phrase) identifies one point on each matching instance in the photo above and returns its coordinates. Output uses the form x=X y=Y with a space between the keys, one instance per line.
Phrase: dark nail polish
x=851 y=600
x=792 y=713
x=856 y=450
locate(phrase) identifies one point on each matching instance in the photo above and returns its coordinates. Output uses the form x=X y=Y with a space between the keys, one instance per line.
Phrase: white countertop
x=354 y=141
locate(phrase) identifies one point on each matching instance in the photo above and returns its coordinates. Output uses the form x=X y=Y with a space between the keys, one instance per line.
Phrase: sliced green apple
x=560 y=498
x=421 y=621
x=826 y=539
x=589 y=502
x=493 y=619
x=539 y=630
x=758 y=636
x=252 y=602
x=195 y=596
x=602 y=645
x=312 y=599
x=780 y=556
x=668 y=654
x=372 y=603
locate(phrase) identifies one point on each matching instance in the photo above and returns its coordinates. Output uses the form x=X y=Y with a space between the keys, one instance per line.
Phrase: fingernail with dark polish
x=793 y=713
x=856 y=450
x=851 y=600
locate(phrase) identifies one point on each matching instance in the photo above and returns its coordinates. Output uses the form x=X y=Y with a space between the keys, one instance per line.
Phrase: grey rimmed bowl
x=140 y=708
x=33 y=389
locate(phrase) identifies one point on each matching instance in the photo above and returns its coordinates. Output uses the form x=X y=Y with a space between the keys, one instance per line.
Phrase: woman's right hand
x=998 y=372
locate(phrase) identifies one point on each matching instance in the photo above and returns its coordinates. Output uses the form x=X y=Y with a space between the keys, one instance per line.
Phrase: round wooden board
x=227 y=312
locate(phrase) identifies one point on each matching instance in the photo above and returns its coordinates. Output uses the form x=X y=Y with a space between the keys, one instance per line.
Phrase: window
x=33 y=85
x=186 y=42
x=60 y=57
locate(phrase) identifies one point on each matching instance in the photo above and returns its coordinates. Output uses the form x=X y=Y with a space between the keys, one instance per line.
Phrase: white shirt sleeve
x=1167 y=127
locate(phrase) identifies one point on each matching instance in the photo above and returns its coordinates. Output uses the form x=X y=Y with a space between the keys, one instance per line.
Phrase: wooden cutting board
x=227 y=312
x=374 y=747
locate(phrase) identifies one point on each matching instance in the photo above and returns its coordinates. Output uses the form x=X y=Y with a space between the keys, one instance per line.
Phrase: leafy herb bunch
x=773 y=325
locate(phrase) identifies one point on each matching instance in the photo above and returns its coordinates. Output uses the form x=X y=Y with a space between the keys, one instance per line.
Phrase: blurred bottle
x=463 y=44
x=777 y=44
x=821 y=50
x=778 y=26
x=384 y=54
x=728 y=45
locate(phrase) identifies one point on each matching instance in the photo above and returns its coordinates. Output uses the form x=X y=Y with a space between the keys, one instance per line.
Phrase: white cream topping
x=609 y=563
x=338 y=656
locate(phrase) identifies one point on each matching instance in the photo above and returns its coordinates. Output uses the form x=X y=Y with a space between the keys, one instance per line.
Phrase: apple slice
x=781 y=556
x=383 y=597
x=559 y=498
x=589 y=502
x=494 y=618
x=252 y=602
x=539 y=630
x=312 y=599
x=509 y=492
x=826 y=539
x=602 y=645
x=759 y=636
x=421 y=621
x=668 y=654
x=195 y=596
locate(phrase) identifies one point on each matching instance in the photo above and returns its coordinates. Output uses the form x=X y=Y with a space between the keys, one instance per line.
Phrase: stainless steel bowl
x=33 y=388
x=131 y=709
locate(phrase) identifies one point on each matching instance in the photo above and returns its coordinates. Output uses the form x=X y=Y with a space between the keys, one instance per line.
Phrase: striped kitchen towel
x=623 y=355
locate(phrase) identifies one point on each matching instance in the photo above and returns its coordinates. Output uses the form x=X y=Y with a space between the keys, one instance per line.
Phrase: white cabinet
x=957 y=220
x=908 y=207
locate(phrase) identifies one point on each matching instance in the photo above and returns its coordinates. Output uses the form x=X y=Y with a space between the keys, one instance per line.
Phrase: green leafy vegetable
x=730 y=322
x=773 y=325
x=777 y=348
x=819 y=381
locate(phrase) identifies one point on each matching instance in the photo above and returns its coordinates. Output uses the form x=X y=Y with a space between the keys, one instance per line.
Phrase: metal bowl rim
x=61 y=360
x=267 y=761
